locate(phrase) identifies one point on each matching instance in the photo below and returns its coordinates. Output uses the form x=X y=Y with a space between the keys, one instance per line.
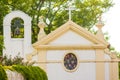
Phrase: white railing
x=12 y=75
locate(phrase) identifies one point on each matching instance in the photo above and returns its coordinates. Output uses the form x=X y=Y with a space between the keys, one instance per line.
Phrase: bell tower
x=17 y=34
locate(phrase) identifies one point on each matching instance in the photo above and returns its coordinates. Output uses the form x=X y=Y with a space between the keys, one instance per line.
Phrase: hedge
x=28 y=72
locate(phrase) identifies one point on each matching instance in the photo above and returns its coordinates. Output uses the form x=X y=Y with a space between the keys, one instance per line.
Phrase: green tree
x=86 y=13
x=1 y=44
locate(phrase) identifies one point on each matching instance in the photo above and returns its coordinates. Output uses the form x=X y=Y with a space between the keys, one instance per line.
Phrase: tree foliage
x=54 y=12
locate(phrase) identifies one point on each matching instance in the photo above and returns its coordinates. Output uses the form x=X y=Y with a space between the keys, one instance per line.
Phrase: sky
x=112 y=24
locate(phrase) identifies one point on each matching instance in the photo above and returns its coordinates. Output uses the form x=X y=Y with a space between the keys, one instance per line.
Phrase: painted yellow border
x=77 y=61
x=73 y=47
x=80 y=61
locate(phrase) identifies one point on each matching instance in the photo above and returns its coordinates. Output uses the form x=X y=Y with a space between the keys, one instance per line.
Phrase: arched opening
x=17 y=28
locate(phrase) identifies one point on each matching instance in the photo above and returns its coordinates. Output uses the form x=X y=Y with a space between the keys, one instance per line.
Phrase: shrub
x=3 y=75
x=17 y=60
x=31 y=72
x=28 y=72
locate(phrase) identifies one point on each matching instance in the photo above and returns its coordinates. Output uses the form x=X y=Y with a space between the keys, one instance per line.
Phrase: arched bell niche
x=17 y=28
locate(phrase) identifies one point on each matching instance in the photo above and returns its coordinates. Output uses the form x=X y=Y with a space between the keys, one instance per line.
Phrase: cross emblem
x=70 y=8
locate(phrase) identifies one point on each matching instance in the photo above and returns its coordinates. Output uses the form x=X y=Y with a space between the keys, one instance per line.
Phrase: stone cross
x=70 y=9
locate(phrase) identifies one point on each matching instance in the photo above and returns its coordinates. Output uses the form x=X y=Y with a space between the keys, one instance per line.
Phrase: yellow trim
x=114 y=70
x=110 y=71
x=73 y=47
x=69 y=26
x=77 y=61
x=113 y=65
x=80 y=61
x=30 y=55
x=42 y=57
x=100 y=67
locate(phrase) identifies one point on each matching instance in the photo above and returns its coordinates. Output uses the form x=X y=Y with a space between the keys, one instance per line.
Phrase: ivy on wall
x=28 y=72
x=31 y=72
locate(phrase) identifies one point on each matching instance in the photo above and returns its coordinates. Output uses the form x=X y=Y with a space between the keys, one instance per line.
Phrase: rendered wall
x=85 y=71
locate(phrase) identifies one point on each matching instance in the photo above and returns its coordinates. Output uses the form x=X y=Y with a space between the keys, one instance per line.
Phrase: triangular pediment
x=70 y=37
x=70 y=33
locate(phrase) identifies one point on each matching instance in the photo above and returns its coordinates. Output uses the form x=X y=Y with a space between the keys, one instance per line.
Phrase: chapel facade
x=71 y=52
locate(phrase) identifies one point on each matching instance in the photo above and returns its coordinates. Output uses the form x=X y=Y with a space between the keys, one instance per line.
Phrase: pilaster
x=114 y=70
x=42 y=59
x=100 y=66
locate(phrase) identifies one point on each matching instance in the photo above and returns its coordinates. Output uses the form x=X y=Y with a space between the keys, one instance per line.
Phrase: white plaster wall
x=17 y=47
x=82 y=54
x=107 y=67
x=107 y=71
x=13 y=46
x=70 y=38
x=85 y=71
x=86 y=54
x=55 y=54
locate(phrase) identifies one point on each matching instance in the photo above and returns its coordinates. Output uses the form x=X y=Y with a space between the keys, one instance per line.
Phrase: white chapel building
x=73 y=53
x=68 y=53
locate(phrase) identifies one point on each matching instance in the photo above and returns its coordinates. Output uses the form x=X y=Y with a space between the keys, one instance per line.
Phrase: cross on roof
x=70 y=9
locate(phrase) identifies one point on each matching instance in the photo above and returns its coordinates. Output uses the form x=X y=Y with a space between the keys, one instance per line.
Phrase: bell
x=17 y=31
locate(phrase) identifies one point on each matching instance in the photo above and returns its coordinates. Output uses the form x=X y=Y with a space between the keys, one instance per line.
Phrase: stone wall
x=12 y=75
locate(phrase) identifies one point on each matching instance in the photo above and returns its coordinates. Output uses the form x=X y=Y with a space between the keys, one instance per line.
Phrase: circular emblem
x=70 y=61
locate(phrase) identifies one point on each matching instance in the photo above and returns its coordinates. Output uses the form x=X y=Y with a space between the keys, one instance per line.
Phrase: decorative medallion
x=70 y=61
